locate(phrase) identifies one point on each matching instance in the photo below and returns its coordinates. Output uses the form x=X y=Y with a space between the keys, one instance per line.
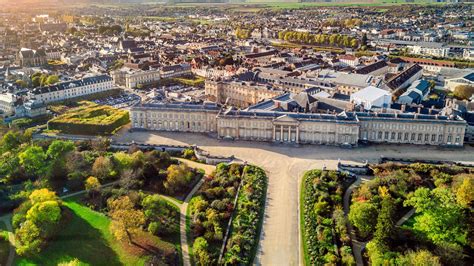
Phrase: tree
x=50 y=80
x=420 y=258
x=354 y=43
x=178 y=176
x=465 y=192
x=92 y=184
x=33 y=159
x=28 y=241
x=464 y=92
x=160 y=213
x=11 y=140
x=363 y=42
x=45 y=215
x=361 y=215
x=201 y=253
x=42 y=195
x=43 y=212
x=126 y=220
x=385 y=224
x=102 y=167
x=130 y=179
x=58 y=149
x=439 y=217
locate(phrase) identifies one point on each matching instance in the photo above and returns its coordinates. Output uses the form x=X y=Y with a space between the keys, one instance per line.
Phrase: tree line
x=338 y=40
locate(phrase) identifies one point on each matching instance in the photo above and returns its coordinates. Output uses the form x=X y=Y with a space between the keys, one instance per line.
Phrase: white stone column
x=297 y=134
x=274 y=132
x=289 y=133
x=281 y=133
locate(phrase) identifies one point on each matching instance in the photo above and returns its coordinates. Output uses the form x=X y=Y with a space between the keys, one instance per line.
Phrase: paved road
x=285 y=165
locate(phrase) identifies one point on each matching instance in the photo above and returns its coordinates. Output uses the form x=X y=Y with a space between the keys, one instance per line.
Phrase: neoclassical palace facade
x=346 y=128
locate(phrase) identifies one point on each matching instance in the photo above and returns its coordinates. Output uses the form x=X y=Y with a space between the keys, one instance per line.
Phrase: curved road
x=285 y=165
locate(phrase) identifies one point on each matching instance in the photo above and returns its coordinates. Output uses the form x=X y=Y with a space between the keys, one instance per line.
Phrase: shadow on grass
x=78 y=239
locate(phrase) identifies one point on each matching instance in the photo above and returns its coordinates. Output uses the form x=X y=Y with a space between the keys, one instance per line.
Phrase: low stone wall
x=211 y=159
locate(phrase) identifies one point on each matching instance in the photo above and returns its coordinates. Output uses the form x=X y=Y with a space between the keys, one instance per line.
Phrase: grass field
x=87 y=238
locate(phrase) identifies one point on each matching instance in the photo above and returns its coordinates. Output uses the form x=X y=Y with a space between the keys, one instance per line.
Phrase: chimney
x=404 y=107
x=418 y=110
x=430 y=111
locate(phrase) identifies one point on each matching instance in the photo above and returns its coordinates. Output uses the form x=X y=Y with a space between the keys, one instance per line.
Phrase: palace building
x=345 y=128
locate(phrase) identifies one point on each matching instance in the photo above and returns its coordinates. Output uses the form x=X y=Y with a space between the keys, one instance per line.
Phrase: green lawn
x=85 y=237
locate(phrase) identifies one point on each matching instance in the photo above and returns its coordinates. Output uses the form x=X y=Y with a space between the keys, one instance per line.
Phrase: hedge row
x=90 y=120
x=325 y=236
x=248 y=217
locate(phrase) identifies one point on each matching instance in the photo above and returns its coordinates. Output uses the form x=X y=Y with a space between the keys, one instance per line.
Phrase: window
x=427 y=136
x=413 y=136
x=450 y=138
x=393 y=136
x=386 y=135
x=440 y=138
x=406 y=136
x=433 y=137
x=420 y=136
x=399 y=136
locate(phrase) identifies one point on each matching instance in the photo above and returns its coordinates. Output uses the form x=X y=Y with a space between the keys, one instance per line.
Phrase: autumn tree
x=102 y=167
x=126 y=220
x=464 y=92
x=178 y=177
x=35 y=220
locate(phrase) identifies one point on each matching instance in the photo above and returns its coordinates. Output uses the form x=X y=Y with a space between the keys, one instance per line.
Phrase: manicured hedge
x=324 y=232
x=248 y=217
x=92 y=119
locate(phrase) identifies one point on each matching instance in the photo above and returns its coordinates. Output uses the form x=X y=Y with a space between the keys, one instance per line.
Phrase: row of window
x=412 y=137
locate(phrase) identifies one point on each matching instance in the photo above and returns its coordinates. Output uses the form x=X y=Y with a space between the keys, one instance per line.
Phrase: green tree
x=201 y=252
x=58 y=149
x=385 y=225
x=361 y=215
x=439 y=217
x=28 y=241
x=33 y=159
x=50 y=80
x=11 y=140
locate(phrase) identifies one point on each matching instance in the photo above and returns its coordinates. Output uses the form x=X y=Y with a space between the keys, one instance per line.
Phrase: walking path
x=358 y=246
x=11 y=238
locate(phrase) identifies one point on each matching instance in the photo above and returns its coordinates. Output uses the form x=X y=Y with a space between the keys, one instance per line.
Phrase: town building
x=416 y=93
x=72 y=89
x=239 y=93
x=371 y=97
